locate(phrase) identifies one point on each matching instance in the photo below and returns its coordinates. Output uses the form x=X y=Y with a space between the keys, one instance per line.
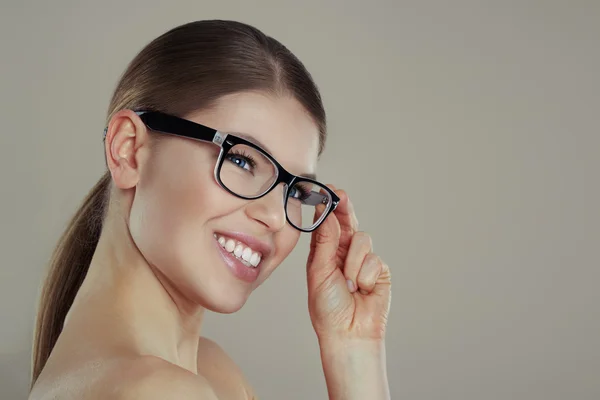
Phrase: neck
x=128 y=304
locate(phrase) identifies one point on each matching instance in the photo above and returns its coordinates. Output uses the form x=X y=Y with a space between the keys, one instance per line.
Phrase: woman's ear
x=125 y=145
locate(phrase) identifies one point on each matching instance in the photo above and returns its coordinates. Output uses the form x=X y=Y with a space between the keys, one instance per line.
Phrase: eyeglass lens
x=248 y=172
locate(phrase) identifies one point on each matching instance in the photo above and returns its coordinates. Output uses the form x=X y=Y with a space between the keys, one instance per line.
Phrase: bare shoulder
x=148 y=377
x=152 y=378
x=224 y=375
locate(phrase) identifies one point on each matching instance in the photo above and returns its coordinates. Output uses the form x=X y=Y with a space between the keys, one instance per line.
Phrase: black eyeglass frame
x=172 y=125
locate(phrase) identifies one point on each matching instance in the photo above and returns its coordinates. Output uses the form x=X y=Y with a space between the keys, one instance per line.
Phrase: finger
x=345 y=213
x=323 y=246
x=383 y=287
x=369 y=273
x=360 y=246
x=384 y=282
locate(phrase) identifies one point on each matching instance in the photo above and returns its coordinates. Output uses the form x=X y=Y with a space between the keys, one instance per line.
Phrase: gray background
x=465 y=132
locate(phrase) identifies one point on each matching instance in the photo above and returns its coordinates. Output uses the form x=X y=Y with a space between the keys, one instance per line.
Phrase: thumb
x=323 y=248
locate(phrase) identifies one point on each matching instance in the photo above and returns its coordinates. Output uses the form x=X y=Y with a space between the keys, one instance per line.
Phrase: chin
x=223 y=281
x=226 y=302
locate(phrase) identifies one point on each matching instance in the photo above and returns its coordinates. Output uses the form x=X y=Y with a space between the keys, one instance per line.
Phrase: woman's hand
x=349 y=300
x=348 y=285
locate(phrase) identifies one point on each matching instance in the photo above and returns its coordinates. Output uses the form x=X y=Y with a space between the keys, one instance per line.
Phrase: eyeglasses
x=249 y=172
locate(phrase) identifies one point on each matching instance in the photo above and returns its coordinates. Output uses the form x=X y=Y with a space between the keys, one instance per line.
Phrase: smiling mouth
x=244 y=253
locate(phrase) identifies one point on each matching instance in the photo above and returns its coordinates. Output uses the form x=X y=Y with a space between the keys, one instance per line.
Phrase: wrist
x=343 y=346
x=354 y=368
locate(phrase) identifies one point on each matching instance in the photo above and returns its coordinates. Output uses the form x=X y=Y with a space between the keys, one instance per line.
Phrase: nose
x=269 y=209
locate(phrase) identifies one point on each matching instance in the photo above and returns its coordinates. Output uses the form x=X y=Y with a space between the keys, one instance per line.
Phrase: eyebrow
x=265 y=148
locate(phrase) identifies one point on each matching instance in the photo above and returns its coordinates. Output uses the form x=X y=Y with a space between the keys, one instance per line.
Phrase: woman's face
x=186 y=225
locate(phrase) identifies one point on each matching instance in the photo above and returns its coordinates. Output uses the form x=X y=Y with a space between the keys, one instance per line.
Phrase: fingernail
x=350 y=284
x=362 y=291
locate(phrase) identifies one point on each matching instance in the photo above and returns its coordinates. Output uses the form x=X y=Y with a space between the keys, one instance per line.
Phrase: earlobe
x=125 y=136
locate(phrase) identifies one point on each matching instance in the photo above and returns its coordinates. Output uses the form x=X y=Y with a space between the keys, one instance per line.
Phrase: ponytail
x=68 y=266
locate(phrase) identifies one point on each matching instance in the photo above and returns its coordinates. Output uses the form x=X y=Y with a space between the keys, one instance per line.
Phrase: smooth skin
x=134 y=330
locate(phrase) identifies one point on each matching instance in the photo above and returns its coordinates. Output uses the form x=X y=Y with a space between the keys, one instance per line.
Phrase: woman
x=212 y=141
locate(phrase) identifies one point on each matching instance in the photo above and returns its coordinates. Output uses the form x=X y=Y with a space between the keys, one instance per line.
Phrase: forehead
x=280 y=123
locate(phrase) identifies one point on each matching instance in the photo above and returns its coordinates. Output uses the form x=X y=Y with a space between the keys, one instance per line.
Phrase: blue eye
x=243 y=161
x=240 y=162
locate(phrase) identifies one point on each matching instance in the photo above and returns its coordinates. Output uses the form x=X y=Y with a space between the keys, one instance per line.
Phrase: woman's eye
x=240 y=162
x=299 y=194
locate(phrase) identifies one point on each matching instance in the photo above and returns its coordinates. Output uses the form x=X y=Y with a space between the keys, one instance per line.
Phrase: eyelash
x=304 y=193
x=247 y=157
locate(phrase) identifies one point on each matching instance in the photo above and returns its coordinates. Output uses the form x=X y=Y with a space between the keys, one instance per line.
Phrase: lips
x=254 y=243
x=243 y=254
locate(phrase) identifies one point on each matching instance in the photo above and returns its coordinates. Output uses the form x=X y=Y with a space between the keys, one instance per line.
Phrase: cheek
x=176 y=196
x=285 y=241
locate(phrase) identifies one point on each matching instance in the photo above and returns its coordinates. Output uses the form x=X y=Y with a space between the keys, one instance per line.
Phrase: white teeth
x=230 y=245
x=241 y=251
x=247 y=254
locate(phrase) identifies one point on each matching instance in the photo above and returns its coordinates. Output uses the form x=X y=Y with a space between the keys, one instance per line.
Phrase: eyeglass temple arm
x=176 y=126
x=160 y=122
x=180 y=127
x=314 y=199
